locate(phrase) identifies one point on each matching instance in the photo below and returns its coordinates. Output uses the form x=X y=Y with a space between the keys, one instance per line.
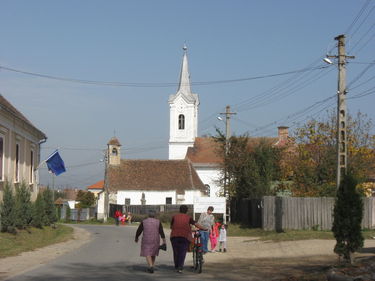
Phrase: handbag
x=163 y=247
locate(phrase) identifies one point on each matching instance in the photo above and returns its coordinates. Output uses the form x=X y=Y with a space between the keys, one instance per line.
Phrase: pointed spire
x=184 y=85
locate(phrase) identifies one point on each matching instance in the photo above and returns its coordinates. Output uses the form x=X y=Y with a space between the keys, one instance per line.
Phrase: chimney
x=283 y=134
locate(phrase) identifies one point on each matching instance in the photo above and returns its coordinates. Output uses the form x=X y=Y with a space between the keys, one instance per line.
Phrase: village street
x=109 y=253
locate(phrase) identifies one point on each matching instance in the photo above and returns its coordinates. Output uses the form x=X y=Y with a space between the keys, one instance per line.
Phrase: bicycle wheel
x=195 y=266
x=199 y=262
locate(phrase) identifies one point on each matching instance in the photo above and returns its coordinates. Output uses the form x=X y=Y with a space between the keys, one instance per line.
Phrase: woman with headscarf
x=152 y=231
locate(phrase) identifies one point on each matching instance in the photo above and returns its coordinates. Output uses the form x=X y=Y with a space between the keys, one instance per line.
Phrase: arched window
x=181 y=122
x=114 y=152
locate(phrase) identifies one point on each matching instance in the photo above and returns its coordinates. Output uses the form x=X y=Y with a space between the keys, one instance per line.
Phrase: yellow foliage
x=366 y=188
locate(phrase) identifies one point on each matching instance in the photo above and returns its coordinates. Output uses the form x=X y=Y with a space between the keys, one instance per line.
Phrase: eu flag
x=55 y=163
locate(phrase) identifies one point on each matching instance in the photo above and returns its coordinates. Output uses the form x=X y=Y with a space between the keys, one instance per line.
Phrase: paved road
x=110 y=255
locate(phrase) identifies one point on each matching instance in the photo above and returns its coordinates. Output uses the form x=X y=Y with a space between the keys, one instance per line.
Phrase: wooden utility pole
x=342 y=153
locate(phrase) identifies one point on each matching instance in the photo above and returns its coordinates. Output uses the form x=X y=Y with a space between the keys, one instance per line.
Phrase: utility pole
x=227 y=114
x=342 y=153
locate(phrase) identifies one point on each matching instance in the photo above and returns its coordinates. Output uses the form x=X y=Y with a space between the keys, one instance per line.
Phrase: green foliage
x=86 y=199
x=249 y=168
x=38 y=217
x=347 y=213
x=23 y=206
x=49 y=207
x=7 y=209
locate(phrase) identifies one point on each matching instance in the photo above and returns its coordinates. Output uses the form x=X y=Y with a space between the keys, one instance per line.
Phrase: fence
x=76 y=214
x=144 y=209
x=279 y=213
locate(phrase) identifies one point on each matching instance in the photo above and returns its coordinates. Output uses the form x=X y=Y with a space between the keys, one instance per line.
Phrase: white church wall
x=210 y=176
x=190 y=195
x=151 y=197
x=177 y=151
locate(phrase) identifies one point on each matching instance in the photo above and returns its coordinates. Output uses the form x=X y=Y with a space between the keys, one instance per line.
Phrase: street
x=111 y=254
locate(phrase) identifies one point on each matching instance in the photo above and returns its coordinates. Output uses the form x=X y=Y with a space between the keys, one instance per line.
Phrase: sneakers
x=225 y=250
x=179 y=270
x=150 y=270
x=219 y=250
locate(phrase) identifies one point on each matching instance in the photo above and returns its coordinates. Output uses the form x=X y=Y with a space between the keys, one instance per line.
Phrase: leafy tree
x=38 y=217
x=248 y=167
x=86 y=199
x=312 y=165
x=49 y=207
x=23 y=210
x=348 y=213
x=7 y=214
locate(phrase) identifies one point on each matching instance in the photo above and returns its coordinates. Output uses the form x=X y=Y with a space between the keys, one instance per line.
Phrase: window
x=168 y=200
x=181 y=122
x=17 y=164
x=1 y=157
x=208 y=190
x=127 y=201
x=114 y=151
x=31 y=166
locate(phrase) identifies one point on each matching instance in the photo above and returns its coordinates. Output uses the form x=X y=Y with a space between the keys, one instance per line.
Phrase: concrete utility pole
x=227 y=114
x=341 y=110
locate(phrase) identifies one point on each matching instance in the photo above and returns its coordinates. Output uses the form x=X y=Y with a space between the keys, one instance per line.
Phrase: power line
x=154 y=85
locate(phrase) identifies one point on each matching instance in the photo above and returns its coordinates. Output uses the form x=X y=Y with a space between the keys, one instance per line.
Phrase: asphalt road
x=112 y=254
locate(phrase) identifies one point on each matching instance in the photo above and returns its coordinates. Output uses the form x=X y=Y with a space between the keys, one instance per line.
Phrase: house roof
x=207 y=150
x=114 y=141
x=7 y=106
x=97 y=185
x=156 y=175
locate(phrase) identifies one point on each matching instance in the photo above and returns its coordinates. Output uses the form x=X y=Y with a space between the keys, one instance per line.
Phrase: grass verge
x=288 y=235
x=11 y=245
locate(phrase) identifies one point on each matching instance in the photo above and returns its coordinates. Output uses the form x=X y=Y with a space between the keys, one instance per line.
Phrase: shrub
x=49 y=207
x=38 y=215
x=7 y=209
x=348 y=213
x=23 y=207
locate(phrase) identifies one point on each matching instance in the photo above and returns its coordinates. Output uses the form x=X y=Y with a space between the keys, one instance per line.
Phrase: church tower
x=183 y=109
x=114 y=152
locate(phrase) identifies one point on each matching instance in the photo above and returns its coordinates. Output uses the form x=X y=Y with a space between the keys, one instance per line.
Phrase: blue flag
x=55 y=164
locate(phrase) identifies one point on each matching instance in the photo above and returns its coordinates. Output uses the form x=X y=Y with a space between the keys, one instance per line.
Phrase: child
x=223 y=238
x=213 y=237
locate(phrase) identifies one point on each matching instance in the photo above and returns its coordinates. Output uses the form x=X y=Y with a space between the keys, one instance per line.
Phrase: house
x=151 y=182
x=20 y=143
x=96 y=188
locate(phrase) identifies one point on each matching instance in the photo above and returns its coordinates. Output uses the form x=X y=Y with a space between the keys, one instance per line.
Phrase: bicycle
x=197 y=252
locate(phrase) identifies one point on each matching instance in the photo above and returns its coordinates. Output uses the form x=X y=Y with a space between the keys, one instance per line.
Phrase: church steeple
x=183 y=114
x=184 y=83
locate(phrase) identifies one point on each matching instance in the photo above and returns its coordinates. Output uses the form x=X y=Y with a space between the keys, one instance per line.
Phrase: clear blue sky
x=141 y=42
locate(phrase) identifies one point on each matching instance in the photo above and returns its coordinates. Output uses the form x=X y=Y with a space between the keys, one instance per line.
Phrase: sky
x=85 y=71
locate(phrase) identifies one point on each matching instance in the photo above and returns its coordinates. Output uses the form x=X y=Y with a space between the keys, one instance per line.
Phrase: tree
x=7 y=214
x=49 y=207
x=313 y=163
x=347 y=214
x=23 y=207
x=86 y=199
x=249 y=167
x=38 y=214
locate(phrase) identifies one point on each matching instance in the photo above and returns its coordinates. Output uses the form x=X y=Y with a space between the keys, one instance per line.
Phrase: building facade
x=20 y=144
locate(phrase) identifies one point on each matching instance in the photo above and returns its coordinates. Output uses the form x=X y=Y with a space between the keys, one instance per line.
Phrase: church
x=192 y=169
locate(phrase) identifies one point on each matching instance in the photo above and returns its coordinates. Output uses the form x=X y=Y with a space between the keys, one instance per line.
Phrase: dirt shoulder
x=28 y=260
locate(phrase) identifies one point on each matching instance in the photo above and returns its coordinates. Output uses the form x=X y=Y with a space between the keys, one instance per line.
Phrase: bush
x=23 y=207
x=348 y=213
x=38 y=215
x=7 y=210
x=49 y=208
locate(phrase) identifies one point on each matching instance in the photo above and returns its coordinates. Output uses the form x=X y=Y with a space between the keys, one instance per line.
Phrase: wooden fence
x=279 y=213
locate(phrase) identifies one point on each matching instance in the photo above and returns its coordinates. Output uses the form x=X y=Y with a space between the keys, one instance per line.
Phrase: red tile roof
x=156 y=175
x=97 y=185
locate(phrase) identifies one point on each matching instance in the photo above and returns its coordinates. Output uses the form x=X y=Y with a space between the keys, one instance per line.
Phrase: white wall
x=210 y=176
x=151 y=197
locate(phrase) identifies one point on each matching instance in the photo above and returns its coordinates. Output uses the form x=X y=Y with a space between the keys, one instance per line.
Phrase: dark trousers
x=180 y=246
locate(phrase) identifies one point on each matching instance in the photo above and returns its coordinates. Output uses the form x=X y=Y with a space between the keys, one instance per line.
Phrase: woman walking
x=181 y=236
x=152 y=231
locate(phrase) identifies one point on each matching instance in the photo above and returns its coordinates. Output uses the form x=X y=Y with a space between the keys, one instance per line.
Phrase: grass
x=14 y=244
x=288 y=235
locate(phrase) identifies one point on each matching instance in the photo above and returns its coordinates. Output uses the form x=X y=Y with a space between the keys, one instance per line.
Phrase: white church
x=193 y=168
